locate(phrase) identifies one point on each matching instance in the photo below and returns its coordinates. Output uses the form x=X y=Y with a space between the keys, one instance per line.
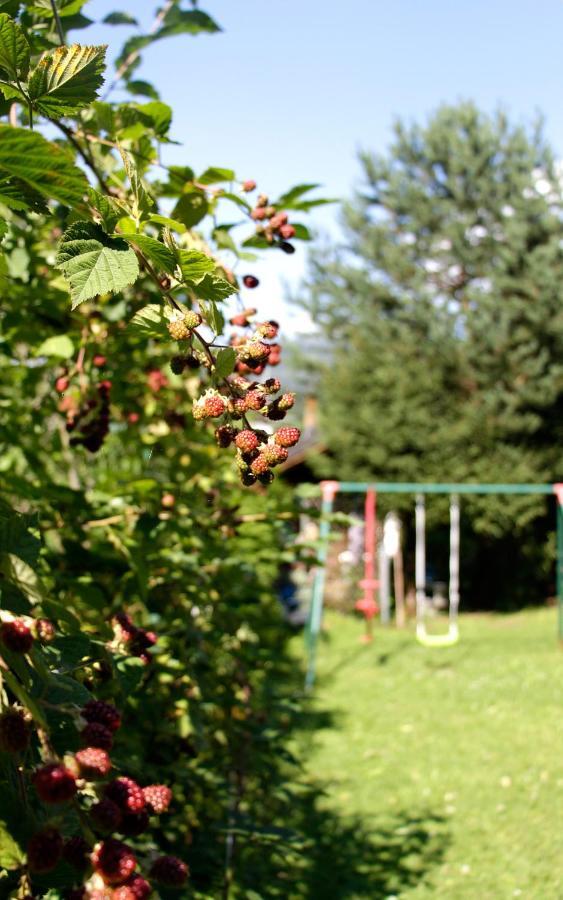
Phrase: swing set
x=367 y=604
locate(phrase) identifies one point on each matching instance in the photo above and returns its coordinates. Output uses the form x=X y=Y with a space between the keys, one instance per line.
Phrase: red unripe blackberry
x=76 y=852
x=268 y=330
x=278 y=220
x=54 y=783
x=224 y=435
x=246 y=441
x=250 y=281
x=106 y=816
x=133 y=824
x=45 y=631
x=248 y=185
x=158 y=797
x=287 y=231
x=124 y=628
x=44 y=850
x=99 y=360
x=135 y=888
x=16 y=636
x=237 y=407
x=272 y=385
x=287 y=437
x=133 y=418
x=255 y=400
x=168 y=501
x=104 y=387
x=93 y=762
x=114 y=862
x=239 y=321
x=169 y=871
x=98 y=710
x=260 y=465
x=258 y=213
x=96 y=735
x=61 y=384
x=286 y=401
x=127 y=794
x=14 y=731
x=275 y=454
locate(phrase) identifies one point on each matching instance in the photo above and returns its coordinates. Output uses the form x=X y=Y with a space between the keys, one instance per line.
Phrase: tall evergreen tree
x=445 y=308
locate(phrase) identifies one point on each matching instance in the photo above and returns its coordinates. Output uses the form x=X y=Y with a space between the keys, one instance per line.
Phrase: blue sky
x=292 y=89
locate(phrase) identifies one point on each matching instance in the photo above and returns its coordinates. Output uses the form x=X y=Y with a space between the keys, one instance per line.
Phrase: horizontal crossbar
x=414 y=487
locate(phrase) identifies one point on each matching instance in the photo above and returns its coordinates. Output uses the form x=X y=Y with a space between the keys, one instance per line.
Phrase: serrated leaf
x=215 y=288
x=14 y=49
x=43 y=166
x=142 y=201
x=110 y=213
x=60 y=346
x=21 y=576
x=16 y=537
x=16 y=194
x=194 y=265
x=151 y=321
x=191 y=208
x=119 y=18
x=157 y=252
x=172 y=224
x=214 y=175
x=225 y=362
x=94 y=263
x=67 y=79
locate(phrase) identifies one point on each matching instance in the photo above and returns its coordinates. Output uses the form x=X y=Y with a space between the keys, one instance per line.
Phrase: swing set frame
x=329 y=490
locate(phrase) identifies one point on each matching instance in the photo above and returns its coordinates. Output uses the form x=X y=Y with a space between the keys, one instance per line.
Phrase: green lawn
x=442 y=768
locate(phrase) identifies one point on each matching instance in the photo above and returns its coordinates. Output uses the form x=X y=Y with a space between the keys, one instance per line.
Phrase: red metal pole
x=368 y=604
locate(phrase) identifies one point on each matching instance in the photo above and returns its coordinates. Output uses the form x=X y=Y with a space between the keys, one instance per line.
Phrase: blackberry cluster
x=138 y=641
x=90 y=425
x=273 y=224
x=122 y=808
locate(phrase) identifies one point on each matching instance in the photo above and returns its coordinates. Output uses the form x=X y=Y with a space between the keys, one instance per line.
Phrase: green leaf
x=45 y=167
x=64 y=7
x=157 y=252
x=225 y=363
x=16 y=537
x=213 y=316
x=18 y=195
x=67 y=79
x=119 y=18
x=94 y=263
x=215 y=288
x=213 y=175
x=194 y=265
x=59 y=345
x=178 y=178
x=11 y=854
x=160 y=115
x=236 y=198
x=110 y=213
x=287 y=199
x=191 y=208
x=151 y=321
x=21 y=576
x=172 y=224
x=143 y=88
x=302 y=233
x=14 y=49
x=142 y=201
x=179 y=21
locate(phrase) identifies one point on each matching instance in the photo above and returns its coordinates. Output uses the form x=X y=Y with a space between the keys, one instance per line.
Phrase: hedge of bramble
x=141 y=720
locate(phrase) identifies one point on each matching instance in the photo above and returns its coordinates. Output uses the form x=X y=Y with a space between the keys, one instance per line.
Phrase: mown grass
x=442 y=767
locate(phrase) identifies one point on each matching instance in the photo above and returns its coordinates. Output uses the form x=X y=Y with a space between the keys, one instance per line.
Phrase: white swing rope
x=452 y=634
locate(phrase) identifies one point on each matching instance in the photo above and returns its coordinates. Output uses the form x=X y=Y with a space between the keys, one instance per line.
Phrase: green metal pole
x=329 y=489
